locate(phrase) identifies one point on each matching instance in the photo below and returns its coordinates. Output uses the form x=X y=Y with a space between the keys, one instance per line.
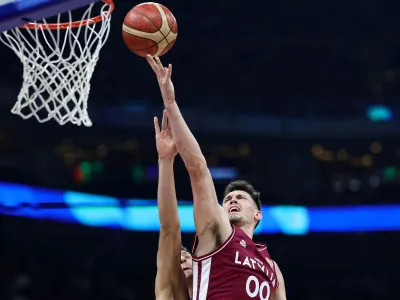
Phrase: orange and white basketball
x=150 y=28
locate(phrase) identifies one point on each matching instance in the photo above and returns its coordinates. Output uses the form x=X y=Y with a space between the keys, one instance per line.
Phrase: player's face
x=186 y=264
x=240 y=208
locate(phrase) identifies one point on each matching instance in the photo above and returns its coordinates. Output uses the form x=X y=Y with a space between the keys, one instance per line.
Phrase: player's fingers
x=159 y=63
x=164 y=123
x=165 y=71
x=169 y=71
x=150 y=60
x=159 y=70
x=156 y=125
x=152 y=63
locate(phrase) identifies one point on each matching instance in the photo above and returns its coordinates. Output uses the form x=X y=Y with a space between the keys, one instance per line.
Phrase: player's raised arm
x=170 y=280
x=209 y=217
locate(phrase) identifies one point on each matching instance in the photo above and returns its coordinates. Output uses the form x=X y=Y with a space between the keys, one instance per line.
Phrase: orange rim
x=55 y=26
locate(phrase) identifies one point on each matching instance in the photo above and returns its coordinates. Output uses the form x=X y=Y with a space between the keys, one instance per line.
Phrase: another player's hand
x=164 y=78
x=164 y=140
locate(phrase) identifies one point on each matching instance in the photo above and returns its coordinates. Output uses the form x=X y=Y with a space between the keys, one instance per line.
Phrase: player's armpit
x=169 y=272
x=209 y=217
x=280 y=293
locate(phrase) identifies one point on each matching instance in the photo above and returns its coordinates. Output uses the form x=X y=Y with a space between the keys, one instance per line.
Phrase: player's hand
x=164 y=140
x=164 y=79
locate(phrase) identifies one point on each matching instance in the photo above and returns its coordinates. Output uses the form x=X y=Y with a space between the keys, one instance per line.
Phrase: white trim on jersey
x=195 y=272
x=205 y=278
x=259 y=245
x=200 y=292
x=204 y=257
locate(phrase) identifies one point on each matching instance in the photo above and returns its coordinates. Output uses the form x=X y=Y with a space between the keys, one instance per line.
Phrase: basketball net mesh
x=58 y=65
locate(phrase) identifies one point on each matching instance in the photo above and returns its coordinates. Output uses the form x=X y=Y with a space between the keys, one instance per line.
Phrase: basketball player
x=227 y=264
x=174 y=264
x=187 y=268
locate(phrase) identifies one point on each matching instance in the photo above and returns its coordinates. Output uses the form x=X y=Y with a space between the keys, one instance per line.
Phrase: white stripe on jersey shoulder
x=195 y=273
x=260 y=246
x=201 y=281
x=212 y=253
x=205 y=278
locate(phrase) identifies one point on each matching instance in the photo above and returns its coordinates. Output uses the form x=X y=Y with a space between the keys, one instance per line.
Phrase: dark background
x=277 y=90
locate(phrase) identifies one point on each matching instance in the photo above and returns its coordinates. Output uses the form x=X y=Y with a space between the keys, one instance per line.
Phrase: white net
x=58 y=65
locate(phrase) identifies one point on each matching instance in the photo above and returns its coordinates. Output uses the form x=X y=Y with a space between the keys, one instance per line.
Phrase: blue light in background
x=291 y=219
x=142 y=214
x=355 y=218
x=94 y=210
x=379 y=113
x=224 y=173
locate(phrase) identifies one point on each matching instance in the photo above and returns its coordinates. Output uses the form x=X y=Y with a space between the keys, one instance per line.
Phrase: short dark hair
x=242 y=185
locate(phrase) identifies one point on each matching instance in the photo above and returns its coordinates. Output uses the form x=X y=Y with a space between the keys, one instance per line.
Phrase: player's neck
x=248 y=230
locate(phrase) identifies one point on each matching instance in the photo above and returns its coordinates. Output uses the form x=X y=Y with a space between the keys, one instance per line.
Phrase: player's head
x=242 y=203
x=186 y=262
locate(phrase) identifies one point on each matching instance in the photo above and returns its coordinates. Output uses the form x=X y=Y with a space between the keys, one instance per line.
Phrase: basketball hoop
x=58 y=63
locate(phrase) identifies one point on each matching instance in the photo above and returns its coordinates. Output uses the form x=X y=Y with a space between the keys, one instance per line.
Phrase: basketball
x=150 y=28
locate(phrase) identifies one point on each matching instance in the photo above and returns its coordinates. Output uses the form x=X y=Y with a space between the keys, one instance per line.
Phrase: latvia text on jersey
x=237 y=270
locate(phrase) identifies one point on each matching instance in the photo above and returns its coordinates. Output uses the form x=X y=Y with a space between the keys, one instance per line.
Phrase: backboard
x=14 y=13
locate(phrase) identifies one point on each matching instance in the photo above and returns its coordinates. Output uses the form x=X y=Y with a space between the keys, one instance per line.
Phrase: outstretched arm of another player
x=170 y=280
x=280 y=293
x=209 y=217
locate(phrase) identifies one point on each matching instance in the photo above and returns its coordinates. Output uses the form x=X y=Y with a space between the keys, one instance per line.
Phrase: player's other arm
x=169 y=273
x=209 y=217
x=280 y=293
x=170 y=280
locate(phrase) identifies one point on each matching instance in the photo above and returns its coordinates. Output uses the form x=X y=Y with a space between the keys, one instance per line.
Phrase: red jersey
x=237 y=270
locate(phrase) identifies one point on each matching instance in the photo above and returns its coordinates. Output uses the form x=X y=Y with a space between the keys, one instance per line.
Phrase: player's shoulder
x=261 y=246
x=263 y=250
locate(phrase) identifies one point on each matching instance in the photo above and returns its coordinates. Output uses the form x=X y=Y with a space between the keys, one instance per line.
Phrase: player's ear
x=258 y=215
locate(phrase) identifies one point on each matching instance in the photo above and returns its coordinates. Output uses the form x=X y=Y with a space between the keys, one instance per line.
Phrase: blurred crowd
x=48 y=277
x=54 y=261
x=45 y=278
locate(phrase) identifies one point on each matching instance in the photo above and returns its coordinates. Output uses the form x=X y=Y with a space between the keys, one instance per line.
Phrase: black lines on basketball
x=149 y=28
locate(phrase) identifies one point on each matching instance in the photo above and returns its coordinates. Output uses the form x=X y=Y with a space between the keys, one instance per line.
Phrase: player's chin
x=188 y=273
x=235 y=218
